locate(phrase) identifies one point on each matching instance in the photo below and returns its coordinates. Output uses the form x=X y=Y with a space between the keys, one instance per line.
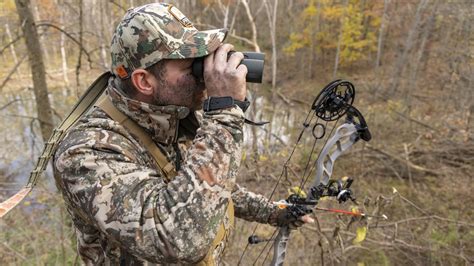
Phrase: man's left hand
x=292 y=216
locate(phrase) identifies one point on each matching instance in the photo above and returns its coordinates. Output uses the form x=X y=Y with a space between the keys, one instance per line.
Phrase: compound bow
x=332 y=103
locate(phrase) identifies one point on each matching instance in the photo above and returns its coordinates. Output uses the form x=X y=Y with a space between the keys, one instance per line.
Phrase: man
x=127 y=206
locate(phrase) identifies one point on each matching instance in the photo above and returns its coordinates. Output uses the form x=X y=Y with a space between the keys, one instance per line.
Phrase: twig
x=404 y=161
x=11 y=43
x=240 y=38
x=8 y=104
x=283 y=97
x=10 y=74
x=414 y=120
x=14 y=251
x=407 y=158
x=412 y=204
x=275 y=136
x=423 y=218
x=399 y=242
x=47 y=24
x=119 y=5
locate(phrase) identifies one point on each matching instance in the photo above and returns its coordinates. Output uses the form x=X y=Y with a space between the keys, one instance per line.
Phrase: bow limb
x=344 y=137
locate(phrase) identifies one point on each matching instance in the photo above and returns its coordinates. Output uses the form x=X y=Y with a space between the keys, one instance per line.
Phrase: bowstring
x=268 y=252
x=264 y=247
x=304 y=179
x=306 y=124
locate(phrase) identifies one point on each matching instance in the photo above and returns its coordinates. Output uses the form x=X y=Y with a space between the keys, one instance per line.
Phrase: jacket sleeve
x=102 y=174
x=251 y=206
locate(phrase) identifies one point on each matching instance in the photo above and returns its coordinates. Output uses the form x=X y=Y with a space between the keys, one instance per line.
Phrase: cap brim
x=199 y=44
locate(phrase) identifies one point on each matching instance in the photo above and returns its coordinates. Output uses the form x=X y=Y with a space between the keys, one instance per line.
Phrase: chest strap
x=166 y=167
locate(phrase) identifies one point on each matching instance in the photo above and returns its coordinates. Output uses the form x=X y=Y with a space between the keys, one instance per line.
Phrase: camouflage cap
x=150 y=33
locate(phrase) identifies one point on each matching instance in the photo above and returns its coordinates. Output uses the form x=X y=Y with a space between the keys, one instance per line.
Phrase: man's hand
x=292 y=216
x=225 y=77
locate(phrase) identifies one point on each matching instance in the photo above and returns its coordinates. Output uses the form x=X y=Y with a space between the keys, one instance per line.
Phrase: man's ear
x=143 y=81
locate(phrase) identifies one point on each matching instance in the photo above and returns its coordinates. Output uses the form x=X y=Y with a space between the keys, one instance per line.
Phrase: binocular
x=252 y=60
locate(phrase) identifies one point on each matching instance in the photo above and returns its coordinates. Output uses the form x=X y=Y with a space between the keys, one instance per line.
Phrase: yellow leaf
x=355 y=209
x=27 y=203
x=360 y=235
x=263 y=158
x=360 y=264
x=298 y=191
x=244 y=155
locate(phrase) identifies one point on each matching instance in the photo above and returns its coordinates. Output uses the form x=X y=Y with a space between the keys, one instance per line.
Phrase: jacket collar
x=161 y=122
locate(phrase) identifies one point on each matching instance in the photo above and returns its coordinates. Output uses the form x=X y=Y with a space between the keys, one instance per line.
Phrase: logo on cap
x=180 y=17
x=121 y=71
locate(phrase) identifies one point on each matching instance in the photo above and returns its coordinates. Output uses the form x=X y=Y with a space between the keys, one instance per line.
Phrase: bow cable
x=306 y=124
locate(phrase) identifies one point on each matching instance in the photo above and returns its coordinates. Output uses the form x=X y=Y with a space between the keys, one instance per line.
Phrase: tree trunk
x=272 y=14
x=272 y=24
x=81 y=44
x=314 y=31
x=103 y=25
x=381 y=32
x=407 y=48
x=62 y=44
x=43 y=34
x=252 y=23
x=37 y=67
x=421 y=51
x=339 y=41
x=12 y=46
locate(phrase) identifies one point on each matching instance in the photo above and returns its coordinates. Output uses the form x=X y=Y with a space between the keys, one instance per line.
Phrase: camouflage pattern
x=157 y=31
x=124 y=211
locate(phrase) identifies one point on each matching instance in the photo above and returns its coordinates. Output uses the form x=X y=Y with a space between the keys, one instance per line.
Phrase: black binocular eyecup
x=252 y=60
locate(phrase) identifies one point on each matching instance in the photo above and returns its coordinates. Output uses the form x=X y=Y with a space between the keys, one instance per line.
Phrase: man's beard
x=188 y=91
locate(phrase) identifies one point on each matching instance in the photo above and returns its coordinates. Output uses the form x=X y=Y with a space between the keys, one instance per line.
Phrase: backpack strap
x=166 y=167
x=86 y=101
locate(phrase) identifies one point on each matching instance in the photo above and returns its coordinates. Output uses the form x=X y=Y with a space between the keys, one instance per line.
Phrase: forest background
x=410 y=61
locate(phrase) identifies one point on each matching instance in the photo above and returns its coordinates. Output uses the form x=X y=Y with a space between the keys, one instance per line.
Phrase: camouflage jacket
x=124 y=211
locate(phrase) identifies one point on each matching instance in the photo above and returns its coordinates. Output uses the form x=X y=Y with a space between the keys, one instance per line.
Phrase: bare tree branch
x=12 y=71
x=119 y=5
x=17 y=38
x=47 y=24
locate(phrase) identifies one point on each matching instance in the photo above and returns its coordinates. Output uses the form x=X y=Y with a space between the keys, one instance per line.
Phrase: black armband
x=218 y=103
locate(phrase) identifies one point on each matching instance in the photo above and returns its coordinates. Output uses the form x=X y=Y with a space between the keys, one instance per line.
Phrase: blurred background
x=411 y=62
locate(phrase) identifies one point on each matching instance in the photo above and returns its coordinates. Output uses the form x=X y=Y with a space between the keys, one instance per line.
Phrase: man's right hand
x=225 y=77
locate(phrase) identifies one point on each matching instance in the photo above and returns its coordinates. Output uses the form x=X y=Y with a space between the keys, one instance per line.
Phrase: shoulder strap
x=167 y=167
x=82 y=106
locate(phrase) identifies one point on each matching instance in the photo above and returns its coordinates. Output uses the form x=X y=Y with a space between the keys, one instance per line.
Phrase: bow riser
x=279 y=248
